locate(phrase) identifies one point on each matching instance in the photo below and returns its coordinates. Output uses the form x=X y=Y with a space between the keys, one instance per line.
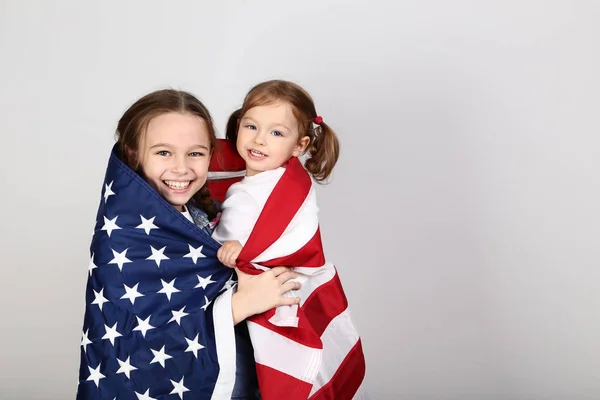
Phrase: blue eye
x=251 y=126
x=276 y=133
x=163 y=153
x=196 y=154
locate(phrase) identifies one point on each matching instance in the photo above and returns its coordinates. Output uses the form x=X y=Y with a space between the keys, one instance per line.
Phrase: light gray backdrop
x=463 y=214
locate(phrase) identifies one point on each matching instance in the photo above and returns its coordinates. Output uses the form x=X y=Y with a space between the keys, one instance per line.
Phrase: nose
x=259 y=138
x=180 y=165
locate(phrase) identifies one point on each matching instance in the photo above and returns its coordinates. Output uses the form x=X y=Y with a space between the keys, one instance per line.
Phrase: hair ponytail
x=202 y=199
x=232 y=127
x=324 y=151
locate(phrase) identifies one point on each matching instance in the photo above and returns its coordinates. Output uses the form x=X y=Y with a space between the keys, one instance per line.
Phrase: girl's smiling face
x=268 y=136
x=174 y=156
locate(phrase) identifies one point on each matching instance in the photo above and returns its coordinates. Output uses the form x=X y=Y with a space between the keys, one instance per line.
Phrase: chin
x=177 y=202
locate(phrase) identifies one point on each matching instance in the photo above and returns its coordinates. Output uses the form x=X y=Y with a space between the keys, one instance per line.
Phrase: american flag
x=318 y=355
x=157 y=321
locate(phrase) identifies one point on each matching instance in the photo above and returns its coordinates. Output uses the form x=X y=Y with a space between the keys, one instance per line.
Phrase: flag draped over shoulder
x=312 y=351
x=157 y=321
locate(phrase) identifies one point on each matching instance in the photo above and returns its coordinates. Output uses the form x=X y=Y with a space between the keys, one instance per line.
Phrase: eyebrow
x=166 y=145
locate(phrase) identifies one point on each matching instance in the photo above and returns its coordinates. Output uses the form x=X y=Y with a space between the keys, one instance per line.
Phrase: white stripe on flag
x=287 y=315
x=301 y=230
x=225 y=342
x=312 y=278
x=338 y=339
x=219 y=175
x=280 y=353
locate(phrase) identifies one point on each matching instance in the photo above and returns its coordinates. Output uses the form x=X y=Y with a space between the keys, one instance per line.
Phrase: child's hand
x=229 y=252
x=265 y=291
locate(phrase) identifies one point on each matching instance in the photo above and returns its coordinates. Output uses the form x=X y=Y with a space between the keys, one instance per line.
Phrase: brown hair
x=134 y=122
x=323 y=148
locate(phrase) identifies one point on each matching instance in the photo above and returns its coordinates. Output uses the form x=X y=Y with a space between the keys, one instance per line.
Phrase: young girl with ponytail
x=308 y=350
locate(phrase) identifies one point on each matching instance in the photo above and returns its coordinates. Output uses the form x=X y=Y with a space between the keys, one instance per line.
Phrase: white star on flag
x=194 y=254
x=206 y=303
x=99 y=298
x=144 y=396
x=160 y=357
x=108 y=191
x=169 y=288
x=131 y=293
x=92 y=266
x=110 y=225
x=178 y=388
x=157 y=255
x=203 y=282
x=85 y=341
x=119 y=259
x=125 y=367
x=111 y=333
x=143 y=325
x=95 y=375
x=147 y=224
x=229 y=284
x=177 y=315
x=193 y=346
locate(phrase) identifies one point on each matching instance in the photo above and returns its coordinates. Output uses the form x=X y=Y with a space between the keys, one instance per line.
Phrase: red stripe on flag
x=218 y=188
x=317 y=312
x=309 y=255
x=226 y=158
x=324 y=304
x=284 y=201
x=347 y=379
x=303 y=334
x=277 y=385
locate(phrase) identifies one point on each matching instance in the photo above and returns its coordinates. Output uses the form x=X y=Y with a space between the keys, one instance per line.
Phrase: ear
x=301 y=146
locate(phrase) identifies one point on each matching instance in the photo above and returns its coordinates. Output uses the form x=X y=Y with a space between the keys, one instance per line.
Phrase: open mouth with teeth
x=256 y=155
x=178 y=186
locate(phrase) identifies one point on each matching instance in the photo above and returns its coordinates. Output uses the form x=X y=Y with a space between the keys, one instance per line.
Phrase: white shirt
x=186 y=213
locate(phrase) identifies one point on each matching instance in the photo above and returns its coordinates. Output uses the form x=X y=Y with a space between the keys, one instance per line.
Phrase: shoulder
x=240 y=196
x=264 y=181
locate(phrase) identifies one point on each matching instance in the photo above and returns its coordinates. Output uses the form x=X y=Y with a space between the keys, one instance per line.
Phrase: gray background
x=463 y=214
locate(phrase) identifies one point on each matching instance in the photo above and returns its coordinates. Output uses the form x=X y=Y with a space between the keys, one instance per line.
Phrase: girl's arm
x=259 y=293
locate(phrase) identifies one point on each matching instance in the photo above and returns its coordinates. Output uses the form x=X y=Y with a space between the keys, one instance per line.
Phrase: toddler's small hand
x=229 y=252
